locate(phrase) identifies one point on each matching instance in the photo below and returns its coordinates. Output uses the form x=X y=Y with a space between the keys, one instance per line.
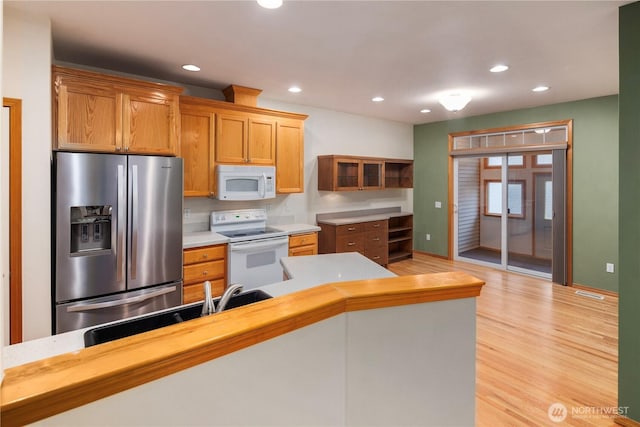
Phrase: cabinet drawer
x=378 y=254
x=203 y=271
x=195 y=292
x=350 y=243
x=376 y=226
x=375 y=240
x=303 y=239
x=349 y=229
x=303 y=250
x=209 y=253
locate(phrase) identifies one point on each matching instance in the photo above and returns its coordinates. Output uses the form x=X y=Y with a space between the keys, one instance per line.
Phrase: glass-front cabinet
x=344 y=173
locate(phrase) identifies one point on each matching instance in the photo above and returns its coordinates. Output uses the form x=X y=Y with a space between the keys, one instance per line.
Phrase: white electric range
x=254 y=249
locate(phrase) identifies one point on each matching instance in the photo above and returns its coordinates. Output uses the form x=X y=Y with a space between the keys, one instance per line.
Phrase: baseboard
x=595 y=290
x=626 y=422
x=430 y=254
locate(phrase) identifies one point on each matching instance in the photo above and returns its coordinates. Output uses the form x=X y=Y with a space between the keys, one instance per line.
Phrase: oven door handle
x=119 y=302
x=258 y=245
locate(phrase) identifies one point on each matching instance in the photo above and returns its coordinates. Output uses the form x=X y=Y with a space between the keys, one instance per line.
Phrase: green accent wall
x=629 y=319
x=595 y=181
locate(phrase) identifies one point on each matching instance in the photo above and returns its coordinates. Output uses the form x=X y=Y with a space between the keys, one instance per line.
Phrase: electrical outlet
x=187 y=213
x=438 y=205
x=610 y=267
x=428 y=236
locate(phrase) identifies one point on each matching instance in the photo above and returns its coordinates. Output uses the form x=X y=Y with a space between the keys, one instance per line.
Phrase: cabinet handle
x=377 y=239
x=205 y=256
x=204 y=273
x=126 y=148
x=376 y=225
x=351 y=243
x=351 y=229
x=376 y=257
x=118 y=148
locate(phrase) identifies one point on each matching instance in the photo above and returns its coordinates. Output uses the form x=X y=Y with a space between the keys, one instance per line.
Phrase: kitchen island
x=327 y=354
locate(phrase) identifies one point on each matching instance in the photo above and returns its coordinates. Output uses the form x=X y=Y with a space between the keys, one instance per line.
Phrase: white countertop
x=304 y=271
x=206 y=238
x=313 y=270
x=362 y=218
x=202 y=238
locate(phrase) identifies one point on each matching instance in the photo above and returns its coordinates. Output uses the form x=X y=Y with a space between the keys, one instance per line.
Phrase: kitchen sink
x=126 y=328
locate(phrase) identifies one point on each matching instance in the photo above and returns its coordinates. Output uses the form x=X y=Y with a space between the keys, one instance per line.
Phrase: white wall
x=395 y=366
x=327 y=132
x=26 y=74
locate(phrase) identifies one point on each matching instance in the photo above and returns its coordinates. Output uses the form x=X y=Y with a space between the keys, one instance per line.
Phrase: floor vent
x=590 y=295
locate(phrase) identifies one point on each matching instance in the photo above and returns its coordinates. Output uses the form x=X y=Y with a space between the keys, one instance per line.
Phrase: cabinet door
x=261 y=145
x=290 y=157
x=196 y=149
x=347 y=174
x=372 y=173
x=231 y=138
x=89 y=117
x=149 y=124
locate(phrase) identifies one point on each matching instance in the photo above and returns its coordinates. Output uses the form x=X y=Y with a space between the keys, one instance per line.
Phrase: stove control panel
x=239 y=216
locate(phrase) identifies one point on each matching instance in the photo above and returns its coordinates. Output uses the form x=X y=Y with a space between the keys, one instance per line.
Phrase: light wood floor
x=537 y=344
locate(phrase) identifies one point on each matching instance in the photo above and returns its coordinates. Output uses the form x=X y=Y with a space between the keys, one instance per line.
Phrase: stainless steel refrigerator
x=117 y=239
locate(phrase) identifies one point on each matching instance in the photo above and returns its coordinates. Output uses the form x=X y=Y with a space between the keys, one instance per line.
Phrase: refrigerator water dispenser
x=90 y=229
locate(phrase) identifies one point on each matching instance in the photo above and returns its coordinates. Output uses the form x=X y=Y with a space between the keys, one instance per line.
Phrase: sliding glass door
x=505 y=210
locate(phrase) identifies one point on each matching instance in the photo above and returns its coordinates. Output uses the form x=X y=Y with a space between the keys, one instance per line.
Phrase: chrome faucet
x=209 y=306
x=232 y=290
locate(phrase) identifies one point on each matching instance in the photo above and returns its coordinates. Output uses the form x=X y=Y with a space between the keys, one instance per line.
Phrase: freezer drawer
x=81 y=314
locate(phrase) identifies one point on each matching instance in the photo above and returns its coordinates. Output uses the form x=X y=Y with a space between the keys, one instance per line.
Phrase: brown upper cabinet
x=290 y=156
x=352 y=173
x=217 y=132
x=242 y=139
x=104 y=113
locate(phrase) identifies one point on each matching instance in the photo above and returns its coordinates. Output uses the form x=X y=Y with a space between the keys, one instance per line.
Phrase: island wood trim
x=41 y=389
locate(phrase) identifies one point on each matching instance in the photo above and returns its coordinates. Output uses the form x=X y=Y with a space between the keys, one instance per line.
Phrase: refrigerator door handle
x=120 y=250
x=125 y=301
x=134 y=221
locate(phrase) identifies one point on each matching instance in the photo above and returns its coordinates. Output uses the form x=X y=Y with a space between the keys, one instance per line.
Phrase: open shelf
x=400 y=238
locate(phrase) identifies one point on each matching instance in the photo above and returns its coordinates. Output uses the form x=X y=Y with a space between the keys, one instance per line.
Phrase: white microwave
x=245 y=182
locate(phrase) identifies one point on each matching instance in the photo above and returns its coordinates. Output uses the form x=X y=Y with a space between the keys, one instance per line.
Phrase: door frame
x=15 y=218
x=569 y=184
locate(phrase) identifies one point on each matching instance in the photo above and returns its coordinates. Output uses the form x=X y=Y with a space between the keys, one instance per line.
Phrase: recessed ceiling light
x=377 y=99
x=499 y=68
x=540 y=88
x=425 y=110
x=191 y=67
x=295 y=89
x=270 y=4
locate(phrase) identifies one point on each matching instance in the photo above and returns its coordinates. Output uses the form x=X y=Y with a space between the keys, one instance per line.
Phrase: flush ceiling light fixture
x=540 y=88
x=377 y=99
x=454 y=101
x=191 y=67
x=270 y=4
x=425 y=110
x=499 y=68
x=295 y=89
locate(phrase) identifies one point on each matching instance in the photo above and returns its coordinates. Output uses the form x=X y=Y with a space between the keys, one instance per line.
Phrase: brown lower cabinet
x=368 y=238
x=202 y=264
x=303 y=244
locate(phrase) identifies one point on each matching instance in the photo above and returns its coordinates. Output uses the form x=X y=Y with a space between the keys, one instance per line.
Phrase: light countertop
x=206 y=238
x=363 y=218
x=313 y=270
x=305 y=272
